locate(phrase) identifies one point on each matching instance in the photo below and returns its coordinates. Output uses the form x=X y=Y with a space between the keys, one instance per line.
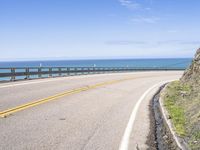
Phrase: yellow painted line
x=7 y=112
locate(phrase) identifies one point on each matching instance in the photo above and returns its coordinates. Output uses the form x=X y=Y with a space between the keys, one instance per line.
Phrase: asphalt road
x=109 y=116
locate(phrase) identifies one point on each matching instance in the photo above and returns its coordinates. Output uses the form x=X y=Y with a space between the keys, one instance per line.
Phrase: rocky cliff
x=182 y=99
x=191 y=101
x=192 y=74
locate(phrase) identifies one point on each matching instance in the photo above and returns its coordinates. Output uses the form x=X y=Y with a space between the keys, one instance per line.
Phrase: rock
x=195 y=142
x=183 y=93
x=165 y=137
x=169 y=117
x=193 y=72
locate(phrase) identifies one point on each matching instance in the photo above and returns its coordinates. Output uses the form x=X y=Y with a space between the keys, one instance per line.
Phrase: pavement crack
x=137 y=147
x=90 y=137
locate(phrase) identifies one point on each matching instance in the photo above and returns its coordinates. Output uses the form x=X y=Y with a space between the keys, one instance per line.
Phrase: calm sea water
x=180 y=63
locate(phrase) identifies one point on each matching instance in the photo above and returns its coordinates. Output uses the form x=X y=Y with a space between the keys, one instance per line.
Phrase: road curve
x=107 y=117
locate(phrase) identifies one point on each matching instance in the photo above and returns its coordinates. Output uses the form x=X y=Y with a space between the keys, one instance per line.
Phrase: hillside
x=182 y=100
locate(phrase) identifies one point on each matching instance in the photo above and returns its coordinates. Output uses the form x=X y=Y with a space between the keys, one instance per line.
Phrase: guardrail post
x=102 y=70
x=60 y=72
x=88 y=70
x=50 y=72
x=27 y=73
x=81 y=70
x=68 y=71
x=75 y=71
x=39 y=72
x=96 y=70
x=105 y=70
x=13 y=74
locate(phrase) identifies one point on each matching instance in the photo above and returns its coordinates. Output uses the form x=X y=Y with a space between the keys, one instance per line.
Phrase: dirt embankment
x=182 y=101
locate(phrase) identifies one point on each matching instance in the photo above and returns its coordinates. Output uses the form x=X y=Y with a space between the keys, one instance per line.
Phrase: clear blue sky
x=56 y=29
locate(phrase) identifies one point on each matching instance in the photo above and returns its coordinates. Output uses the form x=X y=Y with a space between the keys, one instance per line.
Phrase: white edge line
x=125 y=140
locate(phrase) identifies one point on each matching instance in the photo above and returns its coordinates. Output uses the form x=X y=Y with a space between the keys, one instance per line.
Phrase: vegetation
x=172 y=99
x=182 y=101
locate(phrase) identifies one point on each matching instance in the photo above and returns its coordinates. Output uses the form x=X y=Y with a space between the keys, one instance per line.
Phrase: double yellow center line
x=7 y=112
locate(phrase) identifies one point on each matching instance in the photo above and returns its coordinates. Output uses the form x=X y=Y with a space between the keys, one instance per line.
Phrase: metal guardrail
x=13 y=74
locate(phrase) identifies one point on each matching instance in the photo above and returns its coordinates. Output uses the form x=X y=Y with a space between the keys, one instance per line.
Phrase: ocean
x=175 y=62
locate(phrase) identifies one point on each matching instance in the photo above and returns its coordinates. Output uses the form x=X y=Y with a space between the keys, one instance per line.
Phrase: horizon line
x=76 y=59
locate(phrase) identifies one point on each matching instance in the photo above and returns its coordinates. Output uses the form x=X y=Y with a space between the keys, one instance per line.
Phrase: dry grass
x=182 y=101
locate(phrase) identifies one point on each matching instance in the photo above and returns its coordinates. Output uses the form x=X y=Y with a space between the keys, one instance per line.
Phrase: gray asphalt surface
x=93 y=119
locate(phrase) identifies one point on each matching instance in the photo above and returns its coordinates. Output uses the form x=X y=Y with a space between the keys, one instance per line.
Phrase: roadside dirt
x=159 y=137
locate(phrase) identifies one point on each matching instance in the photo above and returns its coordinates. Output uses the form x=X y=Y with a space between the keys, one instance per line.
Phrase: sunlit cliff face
x=192 y=74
